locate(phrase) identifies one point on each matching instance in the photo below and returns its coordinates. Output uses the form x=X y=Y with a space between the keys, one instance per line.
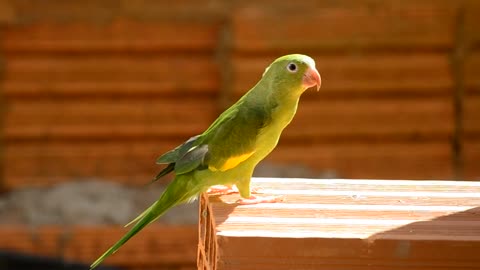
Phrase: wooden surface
x=344 y=224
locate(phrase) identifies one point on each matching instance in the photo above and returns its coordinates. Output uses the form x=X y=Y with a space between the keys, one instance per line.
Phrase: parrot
x=227 y=152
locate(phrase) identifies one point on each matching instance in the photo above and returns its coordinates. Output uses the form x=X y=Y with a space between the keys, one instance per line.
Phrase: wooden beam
x=344 y=224
x=117 y=36
x=379 y=26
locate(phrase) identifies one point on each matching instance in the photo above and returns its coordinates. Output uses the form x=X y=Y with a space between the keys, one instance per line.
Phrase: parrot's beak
x=312 y=78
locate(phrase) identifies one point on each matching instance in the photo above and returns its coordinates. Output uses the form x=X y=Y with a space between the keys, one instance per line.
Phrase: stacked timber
x=344 y=224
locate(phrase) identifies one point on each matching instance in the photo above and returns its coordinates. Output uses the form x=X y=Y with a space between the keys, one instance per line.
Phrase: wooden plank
x=148 y=67
x=100 y=12
x=108 y=88
x=379 y=119
x=118 y=36
x=102 y=118
x=389 y=160
x=40 y=74
x=90 y=149
x=319 y=119
x=91 y=110
x=472 y=73
x=353 y=74
x=471 y=149
x=471 y=21
x=7 y=12
x=48 y=163
x=376 y=224
x=471 y=103
x=471 y=115
x=101 y=131
x=47 y=171
x=133 y=162
x=335 y=26
x=196 y=9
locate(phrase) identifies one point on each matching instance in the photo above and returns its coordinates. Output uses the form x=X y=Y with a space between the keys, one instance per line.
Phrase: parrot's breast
x=269 y=136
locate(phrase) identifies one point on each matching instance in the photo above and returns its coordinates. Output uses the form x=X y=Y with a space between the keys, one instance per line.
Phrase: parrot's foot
x=258 y=199
x=221 y=190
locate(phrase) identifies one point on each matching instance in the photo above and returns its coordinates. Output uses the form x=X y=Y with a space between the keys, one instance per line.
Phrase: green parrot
x=228 y=151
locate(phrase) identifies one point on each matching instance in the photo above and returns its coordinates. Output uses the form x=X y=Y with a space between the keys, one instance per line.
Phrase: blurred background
x=92 y=92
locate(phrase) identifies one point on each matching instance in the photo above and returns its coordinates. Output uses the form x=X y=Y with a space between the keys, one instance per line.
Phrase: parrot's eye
x=292 y=67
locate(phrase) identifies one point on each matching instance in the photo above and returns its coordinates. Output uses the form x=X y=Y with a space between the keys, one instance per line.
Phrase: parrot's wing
x=232 y=139
x=173 y=155
x=192 y=160
x=229 y=141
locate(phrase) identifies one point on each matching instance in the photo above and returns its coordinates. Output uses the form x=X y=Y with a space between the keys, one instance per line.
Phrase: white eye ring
x=292 y=67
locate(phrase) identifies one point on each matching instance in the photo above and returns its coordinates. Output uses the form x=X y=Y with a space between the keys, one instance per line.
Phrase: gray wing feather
x=192 y=159
x=175 y=154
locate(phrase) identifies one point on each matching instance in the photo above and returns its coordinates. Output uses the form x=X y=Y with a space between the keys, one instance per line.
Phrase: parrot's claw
x=221 y=190
x=257 y=199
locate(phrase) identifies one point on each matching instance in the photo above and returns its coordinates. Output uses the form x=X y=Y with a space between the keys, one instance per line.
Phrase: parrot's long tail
x=173 y=195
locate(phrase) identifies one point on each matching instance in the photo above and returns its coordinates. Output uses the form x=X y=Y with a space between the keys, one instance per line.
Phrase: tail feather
x=147 y=217
x=177 y=192
x=139 y=216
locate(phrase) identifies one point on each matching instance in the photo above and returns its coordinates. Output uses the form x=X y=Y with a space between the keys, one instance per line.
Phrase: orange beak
x=312 y=78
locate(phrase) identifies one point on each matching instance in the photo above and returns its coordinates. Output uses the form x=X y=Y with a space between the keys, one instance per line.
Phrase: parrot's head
x=293 y=73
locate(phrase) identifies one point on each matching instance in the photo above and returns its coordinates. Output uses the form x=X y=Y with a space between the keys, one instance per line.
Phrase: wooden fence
x=100 y=89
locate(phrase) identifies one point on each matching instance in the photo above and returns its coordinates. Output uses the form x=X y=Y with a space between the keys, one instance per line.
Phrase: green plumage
x=228 y=151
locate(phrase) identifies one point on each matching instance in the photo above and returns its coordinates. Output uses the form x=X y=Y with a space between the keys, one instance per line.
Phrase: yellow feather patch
x=232 y=162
